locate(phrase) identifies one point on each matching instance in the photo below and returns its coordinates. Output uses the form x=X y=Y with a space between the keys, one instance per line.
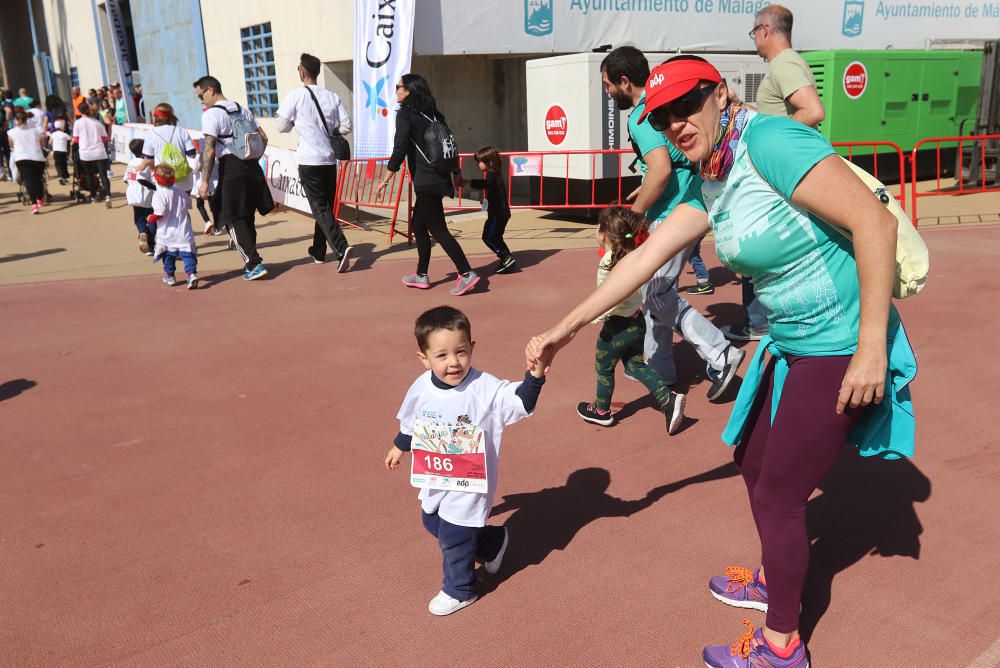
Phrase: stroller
x=80 y=181
x=22 y=192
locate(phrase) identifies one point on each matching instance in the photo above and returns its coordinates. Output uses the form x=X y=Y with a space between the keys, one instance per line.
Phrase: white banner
x=383 y=45
x=572 y=26
x=280 y=165
x=123 y=57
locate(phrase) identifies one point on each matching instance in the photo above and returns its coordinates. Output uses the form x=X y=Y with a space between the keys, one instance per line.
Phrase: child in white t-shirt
x=60 y=140
x=454 y=409
x=174 y=236
x=139 y=189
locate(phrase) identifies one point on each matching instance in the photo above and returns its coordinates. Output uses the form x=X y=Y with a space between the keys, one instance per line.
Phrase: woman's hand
x=864 y=381
x=543 y=347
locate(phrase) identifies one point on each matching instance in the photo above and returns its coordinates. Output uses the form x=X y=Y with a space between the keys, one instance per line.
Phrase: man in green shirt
x=669 y=180
x=23 y=99
x=788 y=88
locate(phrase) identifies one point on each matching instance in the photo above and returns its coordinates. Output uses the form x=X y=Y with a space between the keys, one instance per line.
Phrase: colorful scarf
x=732 y=124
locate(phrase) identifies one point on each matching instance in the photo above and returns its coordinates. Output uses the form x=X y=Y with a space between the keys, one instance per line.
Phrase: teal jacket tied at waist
x=886 y=429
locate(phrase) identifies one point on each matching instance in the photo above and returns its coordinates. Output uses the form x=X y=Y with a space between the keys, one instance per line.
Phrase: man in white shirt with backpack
x=232 y=135
x=320 y=119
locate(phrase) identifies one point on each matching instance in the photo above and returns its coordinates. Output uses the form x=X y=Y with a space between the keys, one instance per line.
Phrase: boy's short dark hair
x=136 y=147
x=209 y=82
x=310 y=64
x=626 y=61
x=441 y=317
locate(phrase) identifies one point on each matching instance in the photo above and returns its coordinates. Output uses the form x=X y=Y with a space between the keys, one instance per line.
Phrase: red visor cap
x=674 y=79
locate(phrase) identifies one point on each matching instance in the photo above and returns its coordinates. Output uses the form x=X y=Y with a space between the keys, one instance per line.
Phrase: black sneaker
x=508 y=264
x=590 y=413
x=674 y=412
x=721 y=379
x=743 y=332
x=701 y=289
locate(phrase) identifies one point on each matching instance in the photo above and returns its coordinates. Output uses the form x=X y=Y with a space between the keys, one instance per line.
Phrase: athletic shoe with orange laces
x=740 y=587
x=753 y=651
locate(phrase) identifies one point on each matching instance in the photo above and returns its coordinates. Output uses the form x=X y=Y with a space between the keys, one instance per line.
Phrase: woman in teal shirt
x=836 y=345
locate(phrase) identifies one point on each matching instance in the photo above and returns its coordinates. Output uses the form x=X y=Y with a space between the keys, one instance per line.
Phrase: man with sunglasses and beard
x=669 y=180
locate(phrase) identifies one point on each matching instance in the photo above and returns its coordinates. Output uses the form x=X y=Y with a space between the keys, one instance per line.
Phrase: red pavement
x=195 y=478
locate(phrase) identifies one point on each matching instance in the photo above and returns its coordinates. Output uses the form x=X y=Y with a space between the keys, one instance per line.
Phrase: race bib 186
x=448 y=456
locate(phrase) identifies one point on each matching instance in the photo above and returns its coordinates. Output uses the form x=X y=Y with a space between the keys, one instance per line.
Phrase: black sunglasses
x=682 y=107
x=398 y=86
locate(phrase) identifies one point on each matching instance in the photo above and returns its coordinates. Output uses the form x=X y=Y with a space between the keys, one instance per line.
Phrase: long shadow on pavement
x=274 y=270
x=12 y=388
x=867 y=508
x=549 y=519
x=14 y=257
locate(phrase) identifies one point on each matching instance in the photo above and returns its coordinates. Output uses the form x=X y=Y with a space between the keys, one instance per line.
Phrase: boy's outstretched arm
x=401 y=444
x=392 y=459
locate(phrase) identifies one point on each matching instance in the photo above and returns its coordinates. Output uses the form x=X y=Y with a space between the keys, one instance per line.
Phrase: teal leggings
x=621 y=339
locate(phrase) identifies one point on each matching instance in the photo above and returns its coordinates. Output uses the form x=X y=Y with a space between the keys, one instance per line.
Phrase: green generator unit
x=897 y=96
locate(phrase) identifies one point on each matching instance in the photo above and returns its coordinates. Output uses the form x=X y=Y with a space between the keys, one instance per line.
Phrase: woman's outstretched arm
x=682 y=227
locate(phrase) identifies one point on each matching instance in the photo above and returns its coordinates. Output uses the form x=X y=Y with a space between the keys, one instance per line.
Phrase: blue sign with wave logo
x=854 y=16
x=538 y=17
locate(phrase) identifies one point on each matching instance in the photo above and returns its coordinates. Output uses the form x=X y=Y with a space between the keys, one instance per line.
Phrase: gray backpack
x=247 y=142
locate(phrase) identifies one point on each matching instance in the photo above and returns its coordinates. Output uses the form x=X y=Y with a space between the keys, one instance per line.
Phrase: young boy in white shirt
x=456 y=415
x=59 y=140
x=174 y=236
x=139 y=189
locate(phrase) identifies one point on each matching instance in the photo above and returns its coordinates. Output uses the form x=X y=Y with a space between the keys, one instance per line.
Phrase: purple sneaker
x=740 y=588
x=752 y=651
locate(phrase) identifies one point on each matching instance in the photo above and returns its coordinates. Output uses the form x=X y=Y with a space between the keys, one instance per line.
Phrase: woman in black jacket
x=416 y=110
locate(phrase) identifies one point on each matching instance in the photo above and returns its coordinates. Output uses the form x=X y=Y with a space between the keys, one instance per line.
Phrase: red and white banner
x=383 y=46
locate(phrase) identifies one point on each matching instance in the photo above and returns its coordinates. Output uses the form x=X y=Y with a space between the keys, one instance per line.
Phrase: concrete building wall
x=324 y=28
x=167 y=71
x=482 y=96
x=83 y=46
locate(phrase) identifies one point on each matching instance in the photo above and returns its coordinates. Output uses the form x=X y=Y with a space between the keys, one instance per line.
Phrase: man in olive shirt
x=788 y=88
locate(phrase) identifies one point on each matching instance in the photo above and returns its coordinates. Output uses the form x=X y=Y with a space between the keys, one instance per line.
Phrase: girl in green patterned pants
x=619 y=231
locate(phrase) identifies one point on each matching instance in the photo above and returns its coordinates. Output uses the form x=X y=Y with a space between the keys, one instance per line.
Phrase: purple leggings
x=782 y=463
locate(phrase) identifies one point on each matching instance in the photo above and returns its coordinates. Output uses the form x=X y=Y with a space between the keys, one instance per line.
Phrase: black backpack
x=440 y=151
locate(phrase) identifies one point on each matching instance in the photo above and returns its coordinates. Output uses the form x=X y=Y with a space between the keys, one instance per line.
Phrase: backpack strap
x=228 y=113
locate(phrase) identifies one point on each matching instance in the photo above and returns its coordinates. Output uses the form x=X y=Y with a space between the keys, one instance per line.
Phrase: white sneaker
x=494 y=566
x=442 y=604
x=193 y=282
x=342 y=267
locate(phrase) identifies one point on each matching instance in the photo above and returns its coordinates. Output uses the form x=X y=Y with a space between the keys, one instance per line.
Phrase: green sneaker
x=701 y=289
x=507 y=265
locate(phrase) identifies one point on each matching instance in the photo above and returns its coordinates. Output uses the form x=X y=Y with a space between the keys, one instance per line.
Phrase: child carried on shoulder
x=620 y=231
